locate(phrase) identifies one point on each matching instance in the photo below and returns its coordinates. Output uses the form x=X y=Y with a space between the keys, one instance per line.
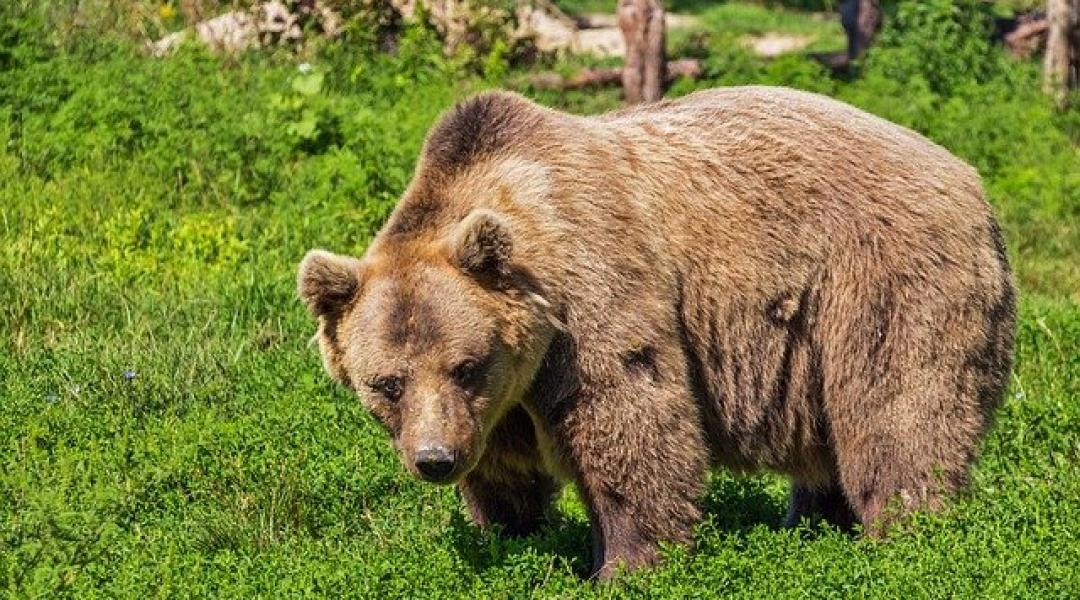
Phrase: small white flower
x=304 y=67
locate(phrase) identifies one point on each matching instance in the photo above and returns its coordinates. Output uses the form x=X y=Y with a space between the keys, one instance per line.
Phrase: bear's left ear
x=481 y=244
x=327 y=282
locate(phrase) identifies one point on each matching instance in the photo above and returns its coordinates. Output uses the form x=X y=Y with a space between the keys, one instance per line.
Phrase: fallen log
x=539 y=23
x=689 y=67
x=1023 y=35
x=264 y=24
x=1025 y=39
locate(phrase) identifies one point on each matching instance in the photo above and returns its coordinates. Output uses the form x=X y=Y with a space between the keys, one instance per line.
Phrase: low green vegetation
x=165 y=426
x=742 y=18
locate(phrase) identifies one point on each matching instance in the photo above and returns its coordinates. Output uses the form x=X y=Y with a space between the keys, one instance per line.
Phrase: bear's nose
x=434 y=463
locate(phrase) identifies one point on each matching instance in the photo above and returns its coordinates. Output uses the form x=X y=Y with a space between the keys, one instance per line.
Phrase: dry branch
x=1028 y=35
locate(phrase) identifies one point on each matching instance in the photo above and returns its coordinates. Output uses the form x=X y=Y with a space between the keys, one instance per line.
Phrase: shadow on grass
x=564 y=540
x=732 y=505
x=738 y=504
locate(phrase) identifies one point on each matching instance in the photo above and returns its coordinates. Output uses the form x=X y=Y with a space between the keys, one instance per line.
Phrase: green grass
x=696 y=6
x=825 y=6
x=739 y=19
x=151 y=218
x=745 y=19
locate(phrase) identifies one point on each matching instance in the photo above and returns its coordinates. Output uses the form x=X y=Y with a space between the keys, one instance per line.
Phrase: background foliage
x=165 y=427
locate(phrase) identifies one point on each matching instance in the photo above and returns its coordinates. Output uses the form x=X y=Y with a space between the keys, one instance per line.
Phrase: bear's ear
x=481 y=244
x=327 y=281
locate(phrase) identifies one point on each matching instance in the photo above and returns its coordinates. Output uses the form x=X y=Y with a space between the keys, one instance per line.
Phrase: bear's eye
x=467 y=373
x=388 y=386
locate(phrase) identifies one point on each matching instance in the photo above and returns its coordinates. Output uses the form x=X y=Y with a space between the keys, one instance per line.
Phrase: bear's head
x=438 y=337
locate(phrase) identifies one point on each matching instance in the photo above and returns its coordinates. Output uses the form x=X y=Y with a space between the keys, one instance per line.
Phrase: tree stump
x=1061 y=69
x=861 y=20
x=642 y=25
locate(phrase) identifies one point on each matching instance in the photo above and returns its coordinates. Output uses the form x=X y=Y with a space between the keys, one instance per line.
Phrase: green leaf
x=307 y=126
x=309 y=84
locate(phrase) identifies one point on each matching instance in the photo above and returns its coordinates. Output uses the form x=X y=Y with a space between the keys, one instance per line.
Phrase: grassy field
x=165 y=425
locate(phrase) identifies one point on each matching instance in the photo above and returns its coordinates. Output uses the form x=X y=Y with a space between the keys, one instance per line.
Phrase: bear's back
x=749 y=113
x=752 y=164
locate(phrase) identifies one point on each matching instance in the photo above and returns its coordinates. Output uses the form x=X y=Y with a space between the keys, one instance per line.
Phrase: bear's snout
x=435 y=463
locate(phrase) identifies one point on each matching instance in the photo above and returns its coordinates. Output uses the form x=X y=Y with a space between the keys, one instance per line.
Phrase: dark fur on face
x=437 y=365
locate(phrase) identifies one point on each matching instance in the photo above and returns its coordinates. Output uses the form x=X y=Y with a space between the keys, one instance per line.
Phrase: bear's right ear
x=481 y=244
x=327 y=281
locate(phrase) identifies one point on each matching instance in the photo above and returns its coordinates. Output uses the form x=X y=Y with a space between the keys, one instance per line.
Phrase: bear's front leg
x=516 y=501
x=509 y=487
x=638 y=452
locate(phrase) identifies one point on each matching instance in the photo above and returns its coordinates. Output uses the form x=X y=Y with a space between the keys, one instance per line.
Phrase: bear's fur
x=751 y=277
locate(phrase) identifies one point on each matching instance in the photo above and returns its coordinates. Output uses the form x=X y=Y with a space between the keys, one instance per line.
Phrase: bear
x=749 y=278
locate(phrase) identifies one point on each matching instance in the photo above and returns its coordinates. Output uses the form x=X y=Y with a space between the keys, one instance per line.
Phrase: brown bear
x=758 y=278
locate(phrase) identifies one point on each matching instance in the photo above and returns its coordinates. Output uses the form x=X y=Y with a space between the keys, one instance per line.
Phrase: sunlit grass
x=166 y=428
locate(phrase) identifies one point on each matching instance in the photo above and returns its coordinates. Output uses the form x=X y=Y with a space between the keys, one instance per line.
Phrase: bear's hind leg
x=915 y=369
x=891 y=468
x=814 y=503
x=883 y=489
x=906 y=441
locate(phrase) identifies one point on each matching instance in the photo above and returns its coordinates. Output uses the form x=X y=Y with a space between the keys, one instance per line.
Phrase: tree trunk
x=861 y=20
x=642 y=25
x=1062 y=67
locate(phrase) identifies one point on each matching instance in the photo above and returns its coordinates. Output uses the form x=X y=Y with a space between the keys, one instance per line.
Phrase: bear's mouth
x=450 y=477
x=440 y=480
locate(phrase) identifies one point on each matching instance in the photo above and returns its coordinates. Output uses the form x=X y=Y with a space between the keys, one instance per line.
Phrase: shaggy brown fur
x=751 y=277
